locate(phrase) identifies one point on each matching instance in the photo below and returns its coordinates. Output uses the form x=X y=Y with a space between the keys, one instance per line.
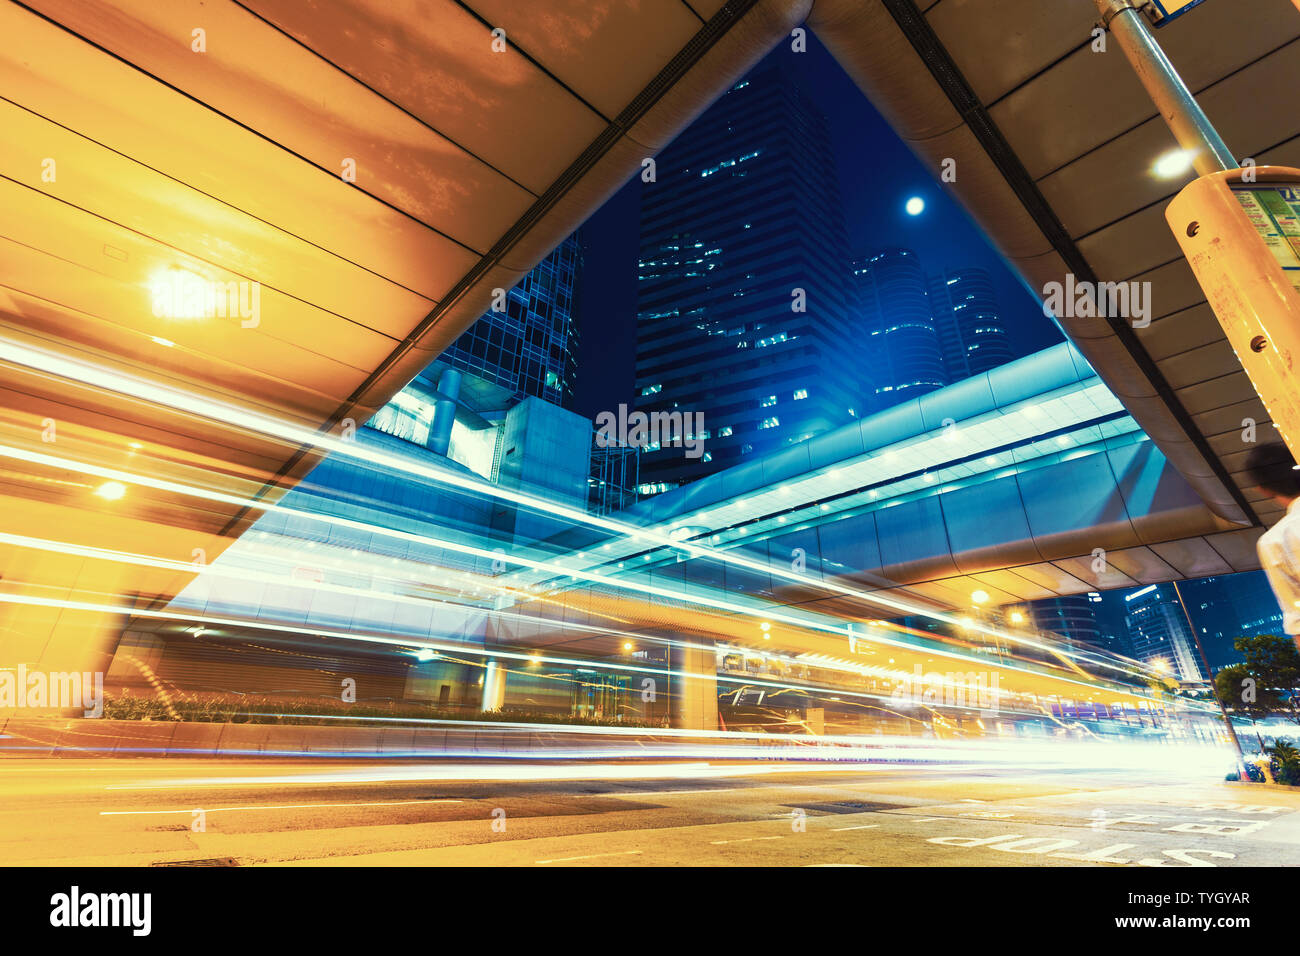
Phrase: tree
x=1240 y=692
x=1267 y=682
x=1286 y=762
x=1274 y=663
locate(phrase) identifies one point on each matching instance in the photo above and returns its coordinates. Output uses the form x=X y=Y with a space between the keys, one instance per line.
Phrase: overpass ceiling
x=127 y=156
x=145 y=143
x=1054 y=146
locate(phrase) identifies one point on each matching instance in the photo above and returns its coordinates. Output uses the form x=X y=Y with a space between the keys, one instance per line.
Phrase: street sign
x=1240 y=232
x=1162 y=12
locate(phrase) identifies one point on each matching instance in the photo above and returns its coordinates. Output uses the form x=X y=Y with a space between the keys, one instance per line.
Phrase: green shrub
x=252 y=709
x=1286 y=762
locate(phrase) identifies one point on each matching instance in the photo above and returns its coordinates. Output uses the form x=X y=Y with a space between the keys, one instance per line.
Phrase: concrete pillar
x=494 y=686
x=693 y=703
x=814 y=719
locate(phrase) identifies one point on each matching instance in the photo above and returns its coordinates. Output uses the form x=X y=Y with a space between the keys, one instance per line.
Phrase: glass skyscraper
x=1226 y=607
x=742 y=304
x=1158 y=632
x=904 y=356
x=1072 y=616
x=530 y=348
x=972 y=335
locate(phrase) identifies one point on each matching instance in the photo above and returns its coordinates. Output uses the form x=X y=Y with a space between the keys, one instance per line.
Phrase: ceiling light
x=111 y=491
x=1174 y=164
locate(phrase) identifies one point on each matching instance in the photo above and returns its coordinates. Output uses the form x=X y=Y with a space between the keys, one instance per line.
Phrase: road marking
x=865 y=826
x=589 y=856
x=1015 y=843
x=1105 y=855
x=296 y=806
x=745 y=840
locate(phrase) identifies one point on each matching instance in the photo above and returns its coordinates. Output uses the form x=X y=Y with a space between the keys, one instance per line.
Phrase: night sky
x=877 y=175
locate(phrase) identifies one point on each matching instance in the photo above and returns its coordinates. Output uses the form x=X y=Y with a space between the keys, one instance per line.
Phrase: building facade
x=1159 y=634
x=1228 y=606
x=1072 y=616
x=904 y=358
x=972 y=335
x=530 y=346
x=742 y=305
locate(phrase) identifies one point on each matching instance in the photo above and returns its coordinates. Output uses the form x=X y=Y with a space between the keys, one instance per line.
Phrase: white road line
x=590 y=856
x=745 y=840
x=865 y=826
x=296 y=806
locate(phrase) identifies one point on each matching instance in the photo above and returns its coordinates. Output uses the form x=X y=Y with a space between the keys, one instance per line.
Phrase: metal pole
x=1188 y=122
x=1232 y=731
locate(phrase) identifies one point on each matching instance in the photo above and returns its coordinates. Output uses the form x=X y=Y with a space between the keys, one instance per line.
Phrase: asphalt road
x=143 y=812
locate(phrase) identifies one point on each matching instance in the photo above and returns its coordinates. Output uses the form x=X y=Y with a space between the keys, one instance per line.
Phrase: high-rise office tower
x=530 y=347
x=972 y=335
x=742 y=303
x=1226 y=607
x=904 y=359
x=1072 y=616
x=1158 y=632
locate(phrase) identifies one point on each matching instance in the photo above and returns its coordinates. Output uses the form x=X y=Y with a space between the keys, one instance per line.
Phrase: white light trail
x=230 y=414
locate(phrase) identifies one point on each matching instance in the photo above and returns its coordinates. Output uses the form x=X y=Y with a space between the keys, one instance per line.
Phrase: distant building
x=1159 y=635
x=742 y=302
x=1072 y=616
x=530 y=347
x=972 y=336
x=1225 y=607
x=1111 y=613
x=904 y=357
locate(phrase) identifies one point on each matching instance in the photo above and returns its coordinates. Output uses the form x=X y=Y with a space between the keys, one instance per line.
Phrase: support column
x=444 y=412
x=693 y=704
x=1177 y=106
x=494 y=686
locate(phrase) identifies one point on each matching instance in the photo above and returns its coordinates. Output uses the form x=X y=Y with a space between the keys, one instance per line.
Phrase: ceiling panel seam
x=688 y=56
x=958 y=90
x=260 y=135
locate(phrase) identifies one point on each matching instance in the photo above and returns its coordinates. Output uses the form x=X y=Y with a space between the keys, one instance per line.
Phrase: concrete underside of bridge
x=377 y=168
